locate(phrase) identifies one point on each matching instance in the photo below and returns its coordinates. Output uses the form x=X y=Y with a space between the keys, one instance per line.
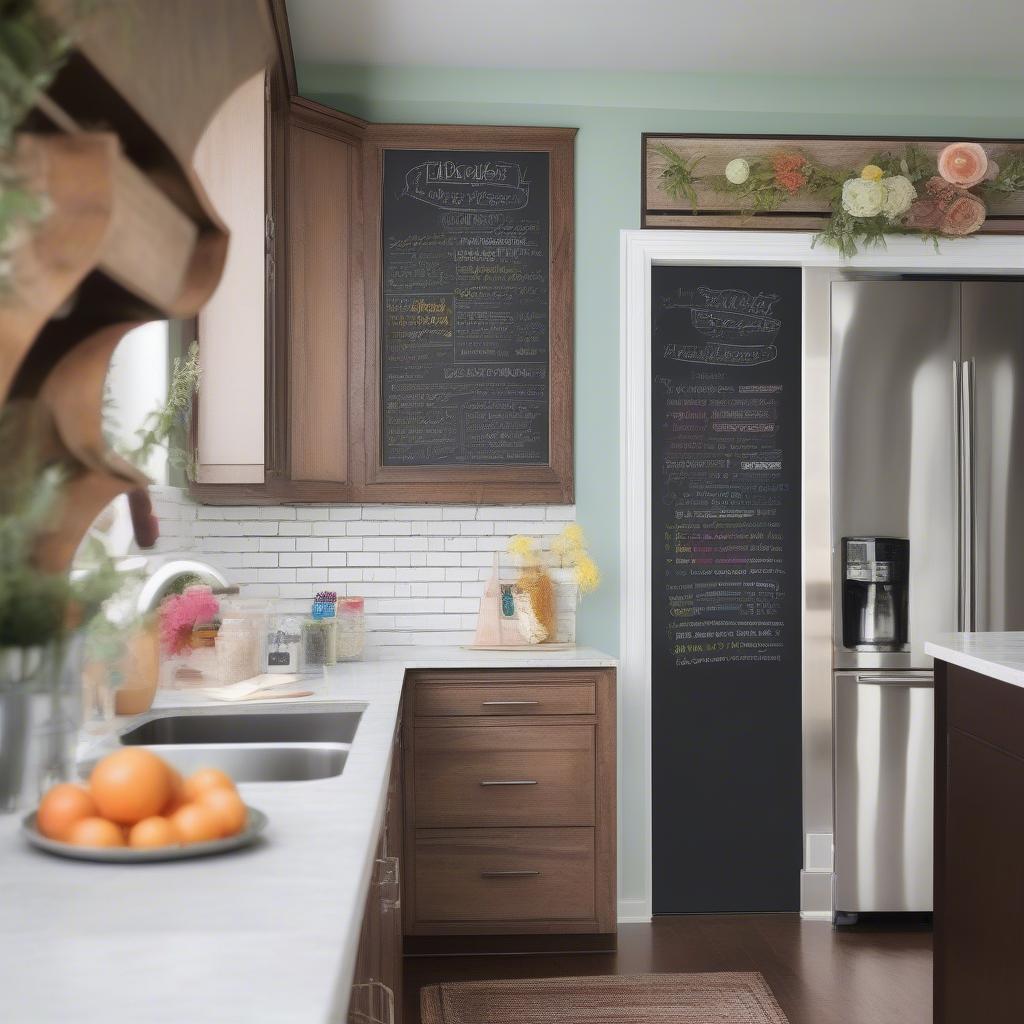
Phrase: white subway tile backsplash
x=277 y=544
x=421 y=568
x=295 y=529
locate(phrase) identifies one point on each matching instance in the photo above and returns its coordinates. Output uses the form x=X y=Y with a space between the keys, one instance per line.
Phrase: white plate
x=254 y=825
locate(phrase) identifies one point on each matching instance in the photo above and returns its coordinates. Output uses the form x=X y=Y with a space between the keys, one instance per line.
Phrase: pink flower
x=963 y=216
x=180 y=613
x=963 y=164
x=923 y=215
x=946 y=209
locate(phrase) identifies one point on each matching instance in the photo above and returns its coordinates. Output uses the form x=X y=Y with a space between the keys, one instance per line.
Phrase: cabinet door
x=981 y=949
x=229 y=161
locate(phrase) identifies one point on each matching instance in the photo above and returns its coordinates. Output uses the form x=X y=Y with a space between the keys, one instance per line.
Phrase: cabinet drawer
x=442 y=697
x=504 y=775
x=508 y=874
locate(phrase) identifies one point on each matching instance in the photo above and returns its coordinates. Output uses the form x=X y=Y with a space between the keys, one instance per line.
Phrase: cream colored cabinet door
x=229 y=161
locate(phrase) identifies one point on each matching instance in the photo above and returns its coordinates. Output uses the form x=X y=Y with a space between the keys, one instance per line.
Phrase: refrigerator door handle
x=958 y=473
x=926 y=680
x=967 y=492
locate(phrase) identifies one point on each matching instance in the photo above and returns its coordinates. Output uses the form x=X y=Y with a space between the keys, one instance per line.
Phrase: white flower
x=737 y=171
x=899 y=193
x=862 y=198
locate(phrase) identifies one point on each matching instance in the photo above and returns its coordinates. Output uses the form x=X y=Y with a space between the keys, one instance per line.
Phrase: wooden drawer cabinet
x=505 y=874
x=504 y=775
x=510 y=803
x=544 y=697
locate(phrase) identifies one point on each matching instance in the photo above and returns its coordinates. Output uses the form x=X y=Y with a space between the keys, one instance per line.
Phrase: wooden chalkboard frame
x=552 y=482
x=658 y=210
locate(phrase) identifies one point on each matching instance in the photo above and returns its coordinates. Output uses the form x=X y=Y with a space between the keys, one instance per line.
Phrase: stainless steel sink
x=256 y=745
x=256 y=726
x=260 y=762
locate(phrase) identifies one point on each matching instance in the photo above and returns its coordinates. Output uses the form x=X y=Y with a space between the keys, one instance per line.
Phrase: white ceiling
x=981 y=38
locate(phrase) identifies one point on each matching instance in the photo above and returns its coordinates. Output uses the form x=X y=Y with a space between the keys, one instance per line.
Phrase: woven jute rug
x=719 y=998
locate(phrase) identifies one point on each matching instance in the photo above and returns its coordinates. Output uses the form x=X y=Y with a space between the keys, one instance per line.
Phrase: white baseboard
x=634 y=911
x=816 y=915
x=816 y=894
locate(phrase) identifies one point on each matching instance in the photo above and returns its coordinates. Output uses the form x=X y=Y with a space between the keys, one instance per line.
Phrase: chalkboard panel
x=465 y=352
x=725 y=445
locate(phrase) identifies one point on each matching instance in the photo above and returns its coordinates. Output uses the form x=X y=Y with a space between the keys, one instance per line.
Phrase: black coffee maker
x=876 y=574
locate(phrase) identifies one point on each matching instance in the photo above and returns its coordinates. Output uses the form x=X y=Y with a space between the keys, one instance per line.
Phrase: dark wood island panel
x=979 y=848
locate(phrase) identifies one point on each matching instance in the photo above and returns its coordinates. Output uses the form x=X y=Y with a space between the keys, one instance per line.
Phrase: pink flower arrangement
x=180 y=613
x=963 y=163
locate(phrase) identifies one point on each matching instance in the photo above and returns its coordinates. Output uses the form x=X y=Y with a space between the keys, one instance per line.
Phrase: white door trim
x=639 y=251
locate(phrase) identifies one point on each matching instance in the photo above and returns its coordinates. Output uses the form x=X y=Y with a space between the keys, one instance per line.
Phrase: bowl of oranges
x=136 y=807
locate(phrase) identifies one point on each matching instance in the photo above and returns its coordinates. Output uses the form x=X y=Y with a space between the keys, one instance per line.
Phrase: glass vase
x=40 y=713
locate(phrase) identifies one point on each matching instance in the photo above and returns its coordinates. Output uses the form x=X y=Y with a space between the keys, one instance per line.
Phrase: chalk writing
x=465 y=343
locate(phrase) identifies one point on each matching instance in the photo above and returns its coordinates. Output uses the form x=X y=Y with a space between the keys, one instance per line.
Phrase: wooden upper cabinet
x=322 y=283
x=322 y=430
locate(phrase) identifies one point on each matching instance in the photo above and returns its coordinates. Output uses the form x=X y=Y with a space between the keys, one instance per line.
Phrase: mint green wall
x=611 y=110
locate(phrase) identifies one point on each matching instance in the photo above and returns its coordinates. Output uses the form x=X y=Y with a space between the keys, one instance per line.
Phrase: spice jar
x=319 y=632
x=351 y=636
x=238 y=650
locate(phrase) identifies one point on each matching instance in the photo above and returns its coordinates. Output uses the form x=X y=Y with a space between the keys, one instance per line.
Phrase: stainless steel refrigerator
x=927 y=429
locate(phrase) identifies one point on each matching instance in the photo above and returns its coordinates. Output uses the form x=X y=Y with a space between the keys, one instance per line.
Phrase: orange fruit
x=63 y=806
x=95 y=832
x=177 y=797
x=196 y=823
x=228 y=807
x=151 y=832
x=206 y=779
x=130 y=784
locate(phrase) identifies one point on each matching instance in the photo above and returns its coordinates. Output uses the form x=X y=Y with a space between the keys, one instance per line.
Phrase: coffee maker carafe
x=876 y=573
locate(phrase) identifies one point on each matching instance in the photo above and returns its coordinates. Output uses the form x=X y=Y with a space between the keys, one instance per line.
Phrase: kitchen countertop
x=267 y=934
x=999 y=655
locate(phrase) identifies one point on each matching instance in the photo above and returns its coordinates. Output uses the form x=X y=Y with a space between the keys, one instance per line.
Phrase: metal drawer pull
x=509 y=782
x=507 y=874
x=907 y=680
x=506 y=703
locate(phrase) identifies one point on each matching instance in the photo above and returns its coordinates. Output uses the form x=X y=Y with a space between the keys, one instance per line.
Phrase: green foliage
x=32 y=50
x=33 y=606
x=913 y=163
x=678 y=176
x=164 y=426
x=1010 y=178
x=848 y=234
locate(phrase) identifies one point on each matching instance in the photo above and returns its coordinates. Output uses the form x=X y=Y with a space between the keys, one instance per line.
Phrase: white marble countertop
x=999 y=655
x=268 y=934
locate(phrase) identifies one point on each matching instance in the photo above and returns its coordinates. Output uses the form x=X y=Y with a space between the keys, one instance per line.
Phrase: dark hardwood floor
x=878 y=975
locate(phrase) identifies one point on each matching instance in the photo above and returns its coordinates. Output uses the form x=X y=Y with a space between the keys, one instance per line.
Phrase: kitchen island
x=979 y=827
x=268 y=934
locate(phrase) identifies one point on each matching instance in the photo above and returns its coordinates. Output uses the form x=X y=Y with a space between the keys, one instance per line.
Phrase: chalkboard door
x=725 y=520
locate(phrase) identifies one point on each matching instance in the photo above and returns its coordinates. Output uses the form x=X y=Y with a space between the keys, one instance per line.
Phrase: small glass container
x=318 y=636
x=238 y=650
x=351 y=638
x=284 y=644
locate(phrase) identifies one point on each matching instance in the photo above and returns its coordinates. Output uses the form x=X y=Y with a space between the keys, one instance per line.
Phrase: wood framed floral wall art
x=851 y=192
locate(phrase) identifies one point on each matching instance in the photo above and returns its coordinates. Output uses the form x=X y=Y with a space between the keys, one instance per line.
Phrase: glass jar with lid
x=237 y=648
x=351 y=635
